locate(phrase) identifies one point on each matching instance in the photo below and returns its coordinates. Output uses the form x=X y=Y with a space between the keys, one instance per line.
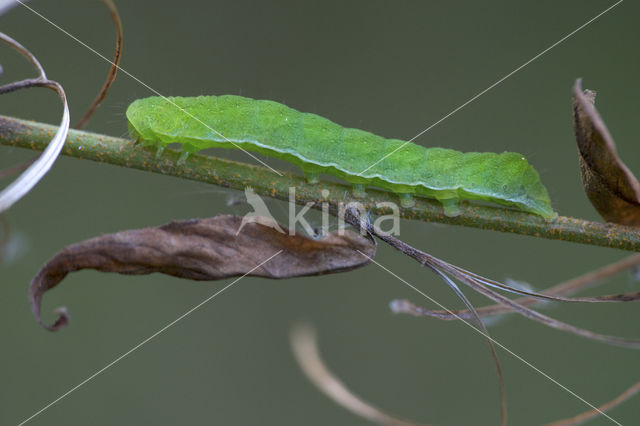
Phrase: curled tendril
x=30 y=177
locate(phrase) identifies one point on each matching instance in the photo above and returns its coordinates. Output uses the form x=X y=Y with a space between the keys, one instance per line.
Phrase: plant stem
x=231 y=174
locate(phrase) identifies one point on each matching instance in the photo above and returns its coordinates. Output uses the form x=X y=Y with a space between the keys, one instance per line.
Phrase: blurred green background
x=393 y=68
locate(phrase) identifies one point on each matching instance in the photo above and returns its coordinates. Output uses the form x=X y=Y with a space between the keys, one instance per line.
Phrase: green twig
x=231 y=174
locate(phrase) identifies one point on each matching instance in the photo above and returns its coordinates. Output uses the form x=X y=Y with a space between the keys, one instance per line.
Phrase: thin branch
x=230 y=174
x=305 y=349
x=588 y=415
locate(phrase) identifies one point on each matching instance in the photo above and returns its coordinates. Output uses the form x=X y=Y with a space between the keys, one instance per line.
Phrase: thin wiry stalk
x=563 y=289
x=444 y=269
x=588 y=415
x=483 y=330
x=470 y=280
x=113 y=70
x=608 y=298
x=305 y=349
x=352 y=217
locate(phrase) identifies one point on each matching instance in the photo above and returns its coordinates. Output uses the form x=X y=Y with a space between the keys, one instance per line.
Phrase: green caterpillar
x=318 y=145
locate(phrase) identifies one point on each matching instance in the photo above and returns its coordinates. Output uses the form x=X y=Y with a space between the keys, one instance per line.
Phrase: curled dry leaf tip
x=202 y=250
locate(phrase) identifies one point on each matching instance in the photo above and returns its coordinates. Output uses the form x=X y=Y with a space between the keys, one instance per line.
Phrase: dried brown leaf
x=612 y=188
x=203 y=249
